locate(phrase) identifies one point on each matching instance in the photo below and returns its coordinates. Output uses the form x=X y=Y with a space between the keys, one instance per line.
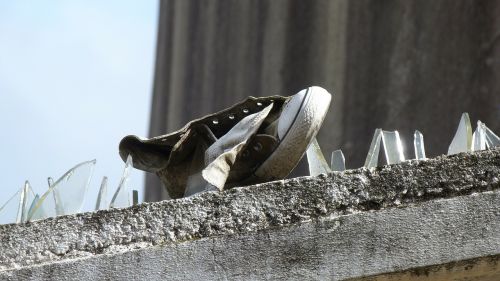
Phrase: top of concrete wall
x=247 y=209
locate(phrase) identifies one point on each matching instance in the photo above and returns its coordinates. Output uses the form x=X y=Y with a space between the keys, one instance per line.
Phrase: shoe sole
x=304 y=127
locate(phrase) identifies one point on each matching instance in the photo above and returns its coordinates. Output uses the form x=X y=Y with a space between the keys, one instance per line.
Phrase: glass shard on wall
x=393 y=147
x=16 y=209
x=372 y=156
x=102 y=202
x=67 y=194
x=316 y=159
x=418 y=145
x=462 y=142
x=492 y=140
x=478 y=137
x=121 y=198
x=337 y=162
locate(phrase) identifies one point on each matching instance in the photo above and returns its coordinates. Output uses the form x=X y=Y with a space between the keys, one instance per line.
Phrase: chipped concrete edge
x=247 y=210
x=371 y=243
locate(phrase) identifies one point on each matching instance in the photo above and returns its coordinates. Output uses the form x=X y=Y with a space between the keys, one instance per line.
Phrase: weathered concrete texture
x=328 y=248
x=478 y=269
x=342 y=225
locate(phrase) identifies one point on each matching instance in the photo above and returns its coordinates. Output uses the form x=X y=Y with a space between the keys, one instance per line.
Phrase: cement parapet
x=342 y=225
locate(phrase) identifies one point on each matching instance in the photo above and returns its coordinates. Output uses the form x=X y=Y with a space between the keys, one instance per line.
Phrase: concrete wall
x=400 y=219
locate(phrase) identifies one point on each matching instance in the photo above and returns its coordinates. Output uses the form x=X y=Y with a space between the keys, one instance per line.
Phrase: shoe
x=257 y=140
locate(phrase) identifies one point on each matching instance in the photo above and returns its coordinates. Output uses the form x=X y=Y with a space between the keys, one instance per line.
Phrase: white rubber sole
x=303 y=123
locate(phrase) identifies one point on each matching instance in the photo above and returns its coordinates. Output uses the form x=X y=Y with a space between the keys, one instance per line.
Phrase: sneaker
x=257 y=140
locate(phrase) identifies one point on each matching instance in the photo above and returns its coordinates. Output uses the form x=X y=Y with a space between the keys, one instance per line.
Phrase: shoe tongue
x=272 y=129
x=239 y=133
x=222 y=154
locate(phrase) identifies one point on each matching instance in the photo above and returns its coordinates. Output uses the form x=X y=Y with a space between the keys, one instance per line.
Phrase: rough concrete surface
x=342 y=225
x=486 y=268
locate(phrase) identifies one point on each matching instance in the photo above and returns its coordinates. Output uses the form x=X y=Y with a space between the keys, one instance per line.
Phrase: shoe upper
x=256 y=140
x=177 y=156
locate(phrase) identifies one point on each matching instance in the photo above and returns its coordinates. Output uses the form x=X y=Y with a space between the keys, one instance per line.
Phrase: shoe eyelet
x=231 y=116
x=245 y=110
x=259 y=104
x=257 y=146
x=245 y=154
x=215 y=121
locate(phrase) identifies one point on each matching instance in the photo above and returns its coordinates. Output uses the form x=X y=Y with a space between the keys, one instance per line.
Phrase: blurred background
x=75 y=77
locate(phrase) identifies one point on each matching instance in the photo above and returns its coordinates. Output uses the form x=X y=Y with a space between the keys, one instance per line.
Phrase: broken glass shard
x=462 y=142
x=337 y=162
x=393 y=147
x=102 y=202
x=372 y=156
x=478 y=137
x=15 y=210
x=67 y=194
x=135 y=197
x=10 y=209
x=121 y=198
x=50 y=181
x=27 y=196
x=40 y=213
x=418 y=145
x=58 y=201
x=316 y=159
x=492 y=140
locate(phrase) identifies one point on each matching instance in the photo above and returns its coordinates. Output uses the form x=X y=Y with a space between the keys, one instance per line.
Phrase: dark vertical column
x=392 y=64
x=419 y=64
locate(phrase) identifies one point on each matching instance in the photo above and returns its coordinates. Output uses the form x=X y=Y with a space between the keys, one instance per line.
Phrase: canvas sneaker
x=257 y=140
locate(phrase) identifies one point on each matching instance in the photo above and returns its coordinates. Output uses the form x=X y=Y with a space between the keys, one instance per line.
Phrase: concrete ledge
x=478 y=269
x=342 y=225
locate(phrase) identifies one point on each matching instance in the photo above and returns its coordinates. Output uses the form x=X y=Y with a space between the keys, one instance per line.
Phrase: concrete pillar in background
x=419 y=65
x=394 y=64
